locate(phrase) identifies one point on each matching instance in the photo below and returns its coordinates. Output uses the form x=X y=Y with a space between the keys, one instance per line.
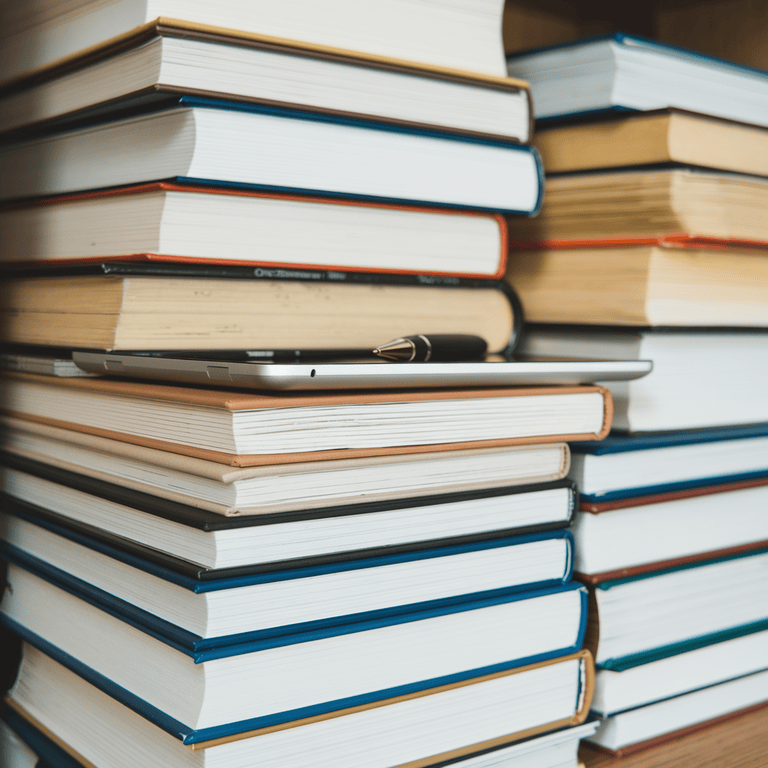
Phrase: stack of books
x=652 y=244
x=204 y=576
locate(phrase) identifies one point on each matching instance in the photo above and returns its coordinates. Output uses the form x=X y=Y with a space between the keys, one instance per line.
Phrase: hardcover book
x=625 y=72
x=208 y=141
x=246 y=429
x=199 y=695
x=160 y=61
x=433 y=726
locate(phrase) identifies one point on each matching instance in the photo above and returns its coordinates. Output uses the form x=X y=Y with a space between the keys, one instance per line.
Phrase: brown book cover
x=178 y=28
x=232 y=401
x=736 y=740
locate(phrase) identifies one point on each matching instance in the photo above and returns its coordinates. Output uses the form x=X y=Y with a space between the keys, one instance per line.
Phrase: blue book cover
x=189 y=735
x=203 y=649
x=616 y=444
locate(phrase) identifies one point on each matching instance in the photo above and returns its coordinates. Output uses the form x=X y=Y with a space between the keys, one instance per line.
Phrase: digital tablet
x=359 y=374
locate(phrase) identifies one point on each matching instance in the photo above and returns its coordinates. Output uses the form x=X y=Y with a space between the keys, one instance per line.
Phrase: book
x=634 y=539
x=159 y=61
x=229 y=491
x=736 y=741
x=648 y=203
x=642 y=618
x=14 y=751
x=700 y=379
x=433 y=726
x=169 y=312
x=249 y=426
x=217 y=226
x=632 y=467
x=625 y=72
x=644 y=727
x=198 y=544
x=550 y=750
x=454 y=36
x=658 y=137
x=627 y=688
x=234 y=610
x=282 y=150
x=665 y=282
x=209 y=694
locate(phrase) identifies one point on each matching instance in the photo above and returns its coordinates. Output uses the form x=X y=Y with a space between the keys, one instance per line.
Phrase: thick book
x=433 y=726
x=647 y=204
x=659 y=137
x=197 y=544
x=641 y=728
x=217 y=226
x=140 y=310
x=209 y=694
x=230 y=491
x=671 y=282
x=205 y=614
x=249 y=427
x=734 y=741
x=628 y=688
x=701 y=378
x=550 y=750
x=624 y=72
x=630 y=467
x=160 y=61
x=452 y=36
x=643 y=618
x=209 y=141
x=629 y=540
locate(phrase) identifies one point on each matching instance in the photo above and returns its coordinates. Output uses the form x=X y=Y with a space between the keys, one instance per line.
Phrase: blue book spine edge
x=191 y=736
x=675 y=649
x=626 y=444
x=206 y=649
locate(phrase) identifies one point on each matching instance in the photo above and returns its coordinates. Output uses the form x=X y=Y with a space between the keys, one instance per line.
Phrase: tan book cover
x=654 y=138
x=664 y=283
x=228 y=400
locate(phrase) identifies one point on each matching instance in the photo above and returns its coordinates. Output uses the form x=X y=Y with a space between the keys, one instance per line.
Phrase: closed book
x=625 y=72
x=283 y=150
x=648 y=203
x=670 y=282
x=551 y=750
x=629 y=540
x=142 y=310
x=701 y=379
x=432 y=726
x=730 y=742
x=215 y=226
x=209 y=694
x=161 y=60
x=626 y=467
x=463 y=36
x=658 y=137
x=224 y=610
x=454 y=418
x=628 y=688
x=641 y=728
x=657 y=614
x=230 y=491
x=198 y=544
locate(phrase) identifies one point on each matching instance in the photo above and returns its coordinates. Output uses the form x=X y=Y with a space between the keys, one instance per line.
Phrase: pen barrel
x=448 y=347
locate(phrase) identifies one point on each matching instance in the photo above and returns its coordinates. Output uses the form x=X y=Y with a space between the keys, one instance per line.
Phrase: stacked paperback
x=652 y=243
x=209 y=577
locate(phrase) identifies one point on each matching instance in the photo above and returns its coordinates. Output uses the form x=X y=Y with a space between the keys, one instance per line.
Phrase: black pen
x=446 y=347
